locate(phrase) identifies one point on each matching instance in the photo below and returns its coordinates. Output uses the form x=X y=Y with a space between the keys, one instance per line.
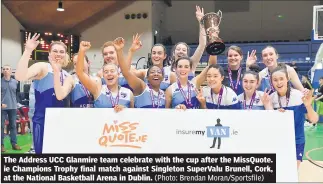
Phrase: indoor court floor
x=311 y=169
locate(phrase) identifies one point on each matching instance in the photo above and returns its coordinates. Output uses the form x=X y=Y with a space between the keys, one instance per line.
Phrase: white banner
x=81 y=130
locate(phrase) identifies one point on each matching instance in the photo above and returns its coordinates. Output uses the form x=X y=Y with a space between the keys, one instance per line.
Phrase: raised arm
x=134 y=82
x=23 y=73
x=200 y=78
x=202 y=40
x=61 y=90
x=213 y=59
x=85 y=79
x=312 y=116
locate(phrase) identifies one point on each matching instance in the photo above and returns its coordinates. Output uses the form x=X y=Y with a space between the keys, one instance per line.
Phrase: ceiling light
x=60 y=6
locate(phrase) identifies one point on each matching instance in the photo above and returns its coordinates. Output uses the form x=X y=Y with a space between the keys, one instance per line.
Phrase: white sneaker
x=307 y=124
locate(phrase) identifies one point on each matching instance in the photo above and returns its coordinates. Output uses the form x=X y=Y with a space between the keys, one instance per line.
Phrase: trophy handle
x=220 y=15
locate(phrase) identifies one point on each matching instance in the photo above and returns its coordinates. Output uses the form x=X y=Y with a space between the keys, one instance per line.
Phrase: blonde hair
x=67 y=59
x=107 y=64
x=107 y=44
x=235 y=48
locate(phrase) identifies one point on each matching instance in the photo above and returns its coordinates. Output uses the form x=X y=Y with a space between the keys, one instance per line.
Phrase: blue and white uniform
x=80 y=96
x=44 y=97
x=186 y=96
x=191 y=76
x=107 y=99
x=266 y=81
x=227 y=100
x=150 y=99
x=166 y=81
x=122 y=81
x=254 y=103
x=295 y=104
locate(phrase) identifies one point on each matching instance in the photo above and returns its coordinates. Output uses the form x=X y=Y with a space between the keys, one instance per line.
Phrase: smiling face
x=158 y=55
x=214 y=78
x=109 y=53
x=280 y=81
x=110 y=74
x=58 y=52
x=234 y=58
x=155 y=76
x=249 y=83
x=181 y=50
x=183 y=68
x=269 y=57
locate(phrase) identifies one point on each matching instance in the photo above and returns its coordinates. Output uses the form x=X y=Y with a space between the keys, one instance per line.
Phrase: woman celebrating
x=181 y=49
x=287 y=98
x=182 y=94
x=251 y=98
x=270 y=57
x=110 y=95
x=234 y=71
x=158 y=56
x=42 y=75
x=80 y=96
x=110 y=56
x=216 y=95
x=146 y=95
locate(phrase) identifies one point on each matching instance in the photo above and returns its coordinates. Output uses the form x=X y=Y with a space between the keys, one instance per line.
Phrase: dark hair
x=254 y=67
x=252 y=73
x=150 y=62
x=152 y=67
x=254 y=70
x=181 y=58
x=171 y=61
x=282 y=68
x=269 y=46
x=216 y=66
x=307 y=77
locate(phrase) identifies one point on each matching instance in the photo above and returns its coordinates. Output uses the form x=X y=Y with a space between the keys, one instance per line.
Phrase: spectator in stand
x=8 y=96
x=306 y=82
x=293 y=65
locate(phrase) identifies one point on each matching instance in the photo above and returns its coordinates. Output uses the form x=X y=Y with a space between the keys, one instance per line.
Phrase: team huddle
x=165 y=84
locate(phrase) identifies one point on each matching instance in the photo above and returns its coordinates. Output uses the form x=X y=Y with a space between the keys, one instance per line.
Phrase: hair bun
x=255 y=68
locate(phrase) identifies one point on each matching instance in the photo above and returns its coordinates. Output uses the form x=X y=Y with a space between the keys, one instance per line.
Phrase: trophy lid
x=215 y=18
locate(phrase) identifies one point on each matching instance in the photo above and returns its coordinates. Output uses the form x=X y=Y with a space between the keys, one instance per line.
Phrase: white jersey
x=256 y=102
x=295 y=104
x=229 y=99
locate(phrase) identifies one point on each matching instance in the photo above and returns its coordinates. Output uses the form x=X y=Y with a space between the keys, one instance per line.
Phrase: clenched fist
x=84 y=46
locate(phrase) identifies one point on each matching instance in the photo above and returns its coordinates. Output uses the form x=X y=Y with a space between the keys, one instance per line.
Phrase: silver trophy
x=211 y=22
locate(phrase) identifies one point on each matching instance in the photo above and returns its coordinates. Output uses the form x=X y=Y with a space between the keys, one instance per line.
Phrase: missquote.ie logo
x=121 y=135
